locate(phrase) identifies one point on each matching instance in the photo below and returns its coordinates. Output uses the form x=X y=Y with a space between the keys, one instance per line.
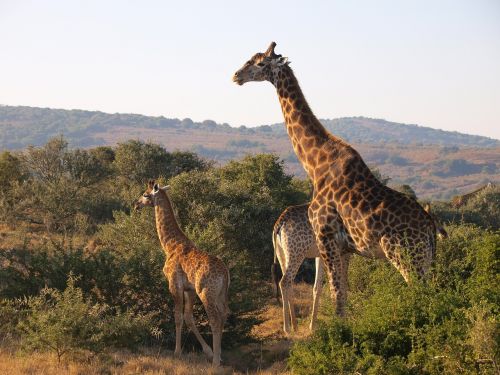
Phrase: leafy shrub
x=447 y=325
x=66 y=322
x=483 y=209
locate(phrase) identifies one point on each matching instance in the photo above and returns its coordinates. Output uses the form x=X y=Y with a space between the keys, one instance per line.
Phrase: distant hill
x=22 y=126
x=368 y=130
x=437 y=164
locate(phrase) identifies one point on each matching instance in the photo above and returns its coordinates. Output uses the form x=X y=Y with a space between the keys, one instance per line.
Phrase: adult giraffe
x=380 y=222
x=294 y=241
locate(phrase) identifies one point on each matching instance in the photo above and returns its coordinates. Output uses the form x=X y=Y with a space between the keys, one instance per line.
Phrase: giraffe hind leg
x=216 y=311
x=189 y=298
x=286 y=286
x=178 y=307
x=331 y=252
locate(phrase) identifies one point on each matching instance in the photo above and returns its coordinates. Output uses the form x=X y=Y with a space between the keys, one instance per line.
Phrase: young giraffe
x=294 y=241
x=380 y=222
x=189 y=272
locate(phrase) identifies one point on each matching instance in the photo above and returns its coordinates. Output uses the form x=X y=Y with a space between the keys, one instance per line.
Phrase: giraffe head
x=261 y=67
x=441 y=232
x=148 y=198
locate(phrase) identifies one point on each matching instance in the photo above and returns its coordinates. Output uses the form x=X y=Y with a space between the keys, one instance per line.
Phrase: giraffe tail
x=275 y=267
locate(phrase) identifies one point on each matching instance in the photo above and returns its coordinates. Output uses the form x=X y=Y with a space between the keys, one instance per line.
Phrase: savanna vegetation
x=81 y=273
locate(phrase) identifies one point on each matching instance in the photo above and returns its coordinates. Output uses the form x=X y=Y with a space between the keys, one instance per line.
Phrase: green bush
x=447 y=325
x=66 y=322
x=483 y=209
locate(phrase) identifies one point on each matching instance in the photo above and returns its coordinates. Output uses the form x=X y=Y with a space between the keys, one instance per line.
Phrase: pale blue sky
x=433 y=63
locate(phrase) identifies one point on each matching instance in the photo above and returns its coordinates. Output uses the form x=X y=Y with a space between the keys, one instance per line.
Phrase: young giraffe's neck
x=304 y=129
x=169 y=232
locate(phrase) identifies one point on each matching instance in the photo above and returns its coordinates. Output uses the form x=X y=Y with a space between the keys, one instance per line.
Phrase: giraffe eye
x=145 y=195
x=261 y=64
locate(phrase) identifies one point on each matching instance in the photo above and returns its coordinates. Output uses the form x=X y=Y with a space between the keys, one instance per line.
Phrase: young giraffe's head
x=261 y=67
x=148 y=198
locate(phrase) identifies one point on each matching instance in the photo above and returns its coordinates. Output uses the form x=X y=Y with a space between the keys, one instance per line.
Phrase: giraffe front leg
x=318 y=287
x=331 y=251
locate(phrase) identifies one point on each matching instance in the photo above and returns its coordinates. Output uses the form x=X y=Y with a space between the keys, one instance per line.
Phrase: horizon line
x=247 y=126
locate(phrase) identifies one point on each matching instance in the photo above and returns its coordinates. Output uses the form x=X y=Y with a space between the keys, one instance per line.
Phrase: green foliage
x=66 y=322
x=483 y=209
x=136 y=279
x=138 y=161
x=447 y=325
x=10 y=170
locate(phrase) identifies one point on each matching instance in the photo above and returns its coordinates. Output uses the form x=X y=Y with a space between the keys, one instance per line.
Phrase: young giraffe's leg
x=330 y=246
x=293 y=261
x=189 y=298
x=215 y=319
x=217 y=327
x=178 y=297
x=318 y=287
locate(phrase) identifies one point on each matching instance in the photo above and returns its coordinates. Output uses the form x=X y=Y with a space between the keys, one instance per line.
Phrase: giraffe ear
x=165 y=188
x=156 y=187
x=427 y=208
x=283 y=61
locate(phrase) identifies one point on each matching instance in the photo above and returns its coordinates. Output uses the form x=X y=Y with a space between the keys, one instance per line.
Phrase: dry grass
x=266 y=357
x=121 y=363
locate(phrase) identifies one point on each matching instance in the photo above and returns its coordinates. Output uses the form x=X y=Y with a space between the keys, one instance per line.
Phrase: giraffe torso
x=193 y=269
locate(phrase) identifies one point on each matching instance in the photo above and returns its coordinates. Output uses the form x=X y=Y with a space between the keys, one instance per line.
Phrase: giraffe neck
x=309 y=139
x=169 y=232
x=303 y=128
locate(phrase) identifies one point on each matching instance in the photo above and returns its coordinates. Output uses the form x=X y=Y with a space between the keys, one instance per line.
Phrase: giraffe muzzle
x=238 y=79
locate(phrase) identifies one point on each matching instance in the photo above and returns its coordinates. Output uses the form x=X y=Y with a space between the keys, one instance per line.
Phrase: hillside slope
x=436 y=163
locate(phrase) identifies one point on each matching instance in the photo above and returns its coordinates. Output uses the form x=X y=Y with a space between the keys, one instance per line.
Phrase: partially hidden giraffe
x=461 y=200
x=380 y=222
x=293 y=242
x=189 y=272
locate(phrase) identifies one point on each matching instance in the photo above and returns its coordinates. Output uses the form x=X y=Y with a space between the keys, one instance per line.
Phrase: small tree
x=138 y=161
x=66 y=322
